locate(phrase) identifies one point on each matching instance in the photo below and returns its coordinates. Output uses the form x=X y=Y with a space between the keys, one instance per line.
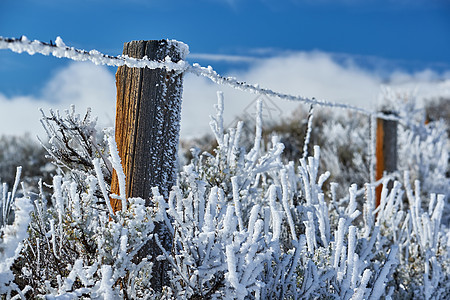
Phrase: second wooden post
x=386 y=150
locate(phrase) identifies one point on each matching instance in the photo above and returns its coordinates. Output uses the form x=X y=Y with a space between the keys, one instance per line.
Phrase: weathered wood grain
x=147 y=134
x=147 y=121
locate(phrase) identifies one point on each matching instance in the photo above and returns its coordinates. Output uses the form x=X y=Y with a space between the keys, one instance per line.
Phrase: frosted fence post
x=147 y=132
x=148 y=119
x=386 y=149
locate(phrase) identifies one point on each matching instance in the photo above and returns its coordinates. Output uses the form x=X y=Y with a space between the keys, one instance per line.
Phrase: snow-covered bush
x=307 y=248
x=244 y=225
x=73 y=143
x=12 y=235
x=346 y=148
x=80 y=247
x=342 y=136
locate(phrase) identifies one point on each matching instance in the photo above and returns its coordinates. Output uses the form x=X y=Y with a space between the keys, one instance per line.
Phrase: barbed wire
x=256 y=89
x=60 y=50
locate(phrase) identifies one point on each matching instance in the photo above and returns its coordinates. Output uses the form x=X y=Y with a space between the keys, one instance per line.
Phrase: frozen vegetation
x=244 y=223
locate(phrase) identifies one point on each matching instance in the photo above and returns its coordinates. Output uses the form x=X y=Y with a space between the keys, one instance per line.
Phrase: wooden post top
x=156 y=49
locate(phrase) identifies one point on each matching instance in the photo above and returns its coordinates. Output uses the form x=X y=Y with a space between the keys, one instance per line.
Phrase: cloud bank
x=83 y=84
x=311 y=74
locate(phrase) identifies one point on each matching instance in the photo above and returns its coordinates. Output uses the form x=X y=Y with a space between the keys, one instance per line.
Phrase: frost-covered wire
x=60 y=50
x=209 y=72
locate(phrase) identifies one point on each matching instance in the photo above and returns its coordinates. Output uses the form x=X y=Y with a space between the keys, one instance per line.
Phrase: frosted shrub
x=345 y=150
x=423 y=243
x=81 y=248
x=286 y=235
x=427 y=155
x=244 y=225
x=12 y=235
x=423 y=147
x=24 y=151
x=73 y=143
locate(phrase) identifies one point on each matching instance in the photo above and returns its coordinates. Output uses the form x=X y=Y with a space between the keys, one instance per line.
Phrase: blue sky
x=383 y=37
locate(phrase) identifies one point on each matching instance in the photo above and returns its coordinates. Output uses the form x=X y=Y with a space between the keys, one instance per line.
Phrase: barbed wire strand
x=256 y=89
x=60 y=50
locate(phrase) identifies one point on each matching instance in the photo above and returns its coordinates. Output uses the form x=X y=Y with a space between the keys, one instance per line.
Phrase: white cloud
x=424 y=85
x=310 y=74
x=82 y=84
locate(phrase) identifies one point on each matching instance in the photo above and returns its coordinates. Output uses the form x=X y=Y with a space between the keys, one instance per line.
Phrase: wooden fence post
x=147 y=133
x=386 y=150
x=148 y=120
